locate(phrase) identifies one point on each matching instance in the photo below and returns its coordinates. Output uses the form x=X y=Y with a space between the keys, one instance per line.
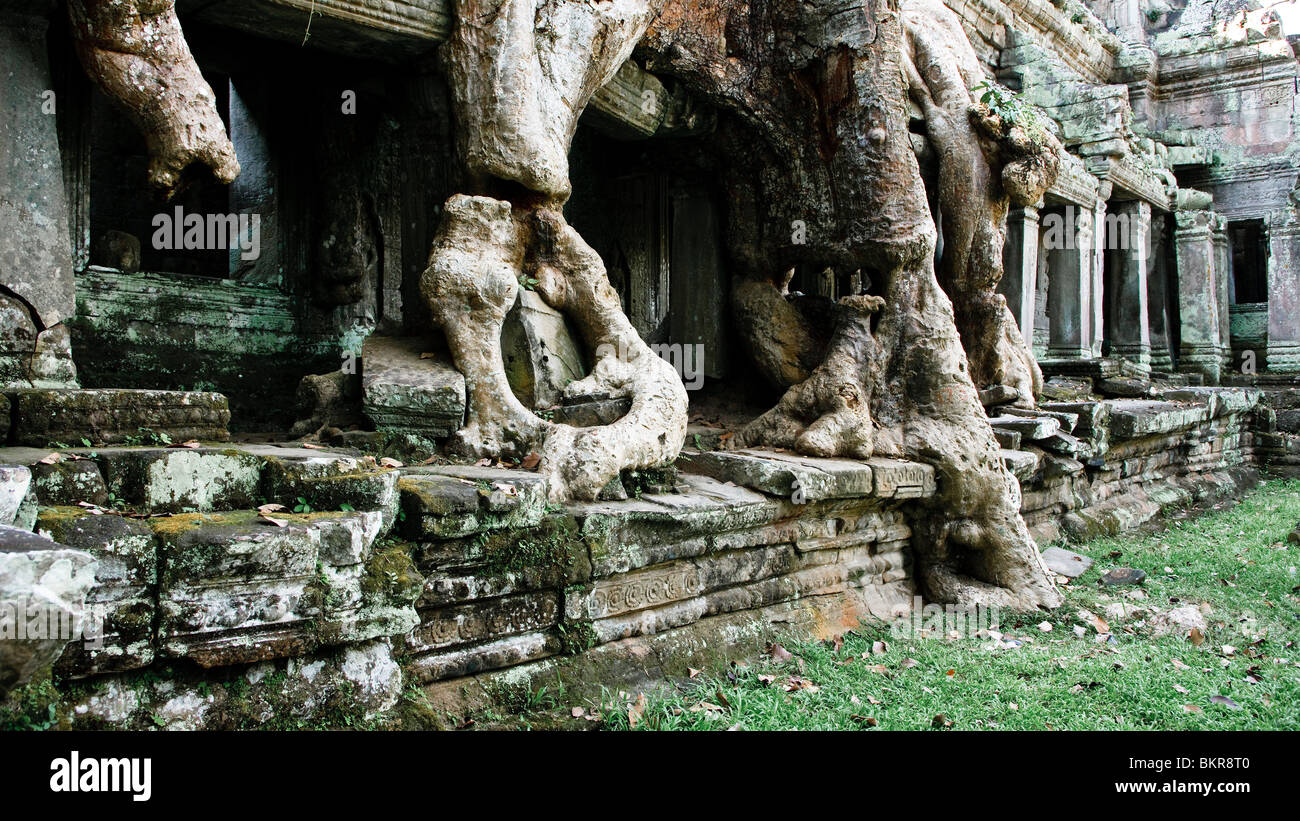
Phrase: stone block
x=69 y=481
x=14 y=483
x=1029 y=428
x=112 y=416
x=1066 y=563
x=125 y=581
x=780 y=474
x=480 y=621
x=326 y=481
x=43 y=585
x=492 y=655
x=898 y=479
x=236 y=588
x=402 y=392
x=1022 y=464
x=539 y=351
x=444 y=502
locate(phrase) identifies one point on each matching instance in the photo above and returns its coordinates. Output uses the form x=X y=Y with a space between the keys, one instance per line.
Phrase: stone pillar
x=1222 y=277
x=1020 y=267
x=1098 y=274
x=1284 y=293
x=36 y=270
x=1069 y=294
x=1198 y=301
x=1157 y=307
x=1130 y=329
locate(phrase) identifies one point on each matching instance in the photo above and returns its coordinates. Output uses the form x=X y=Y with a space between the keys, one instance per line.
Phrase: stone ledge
x=814 y=479
x=111 y=416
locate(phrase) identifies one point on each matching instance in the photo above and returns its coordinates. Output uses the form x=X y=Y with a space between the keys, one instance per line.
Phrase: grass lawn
x=1234 y=565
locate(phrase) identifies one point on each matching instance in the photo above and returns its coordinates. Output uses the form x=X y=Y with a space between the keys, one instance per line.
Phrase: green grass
x=1236 y=561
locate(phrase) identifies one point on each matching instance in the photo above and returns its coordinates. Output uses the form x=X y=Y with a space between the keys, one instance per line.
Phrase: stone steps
x=206 y=478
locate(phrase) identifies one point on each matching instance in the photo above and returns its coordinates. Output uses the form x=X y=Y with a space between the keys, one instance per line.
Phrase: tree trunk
x=135 y=52
x=823 y=174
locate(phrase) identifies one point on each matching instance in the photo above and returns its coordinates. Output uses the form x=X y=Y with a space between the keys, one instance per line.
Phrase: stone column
x=1098 y=275
x=1198 y=300
x=36 y=271
x=1020 y=267
x=1284 y=293
x=1222 y=277
x=1069 y=294
x=1157 y=307
x=1130 y=329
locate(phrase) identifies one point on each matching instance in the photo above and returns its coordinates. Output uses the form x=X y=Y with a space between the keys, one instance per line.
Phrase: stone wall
x=173 y=332
x=370 y=583
x=1137 y=457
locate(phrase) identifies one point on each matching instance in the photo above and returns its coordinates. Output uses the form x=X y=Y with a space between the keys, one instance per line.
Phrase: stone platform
x=448 y=571
x=464 y=581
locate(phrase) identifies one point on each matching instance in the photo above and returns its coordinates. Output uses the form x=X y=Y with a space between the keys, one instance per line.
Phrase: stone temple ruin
x=351 y=346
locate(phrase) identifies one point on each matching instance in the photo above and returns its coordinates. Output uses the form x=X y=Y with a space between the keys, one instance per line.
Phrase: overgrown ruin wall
x=461 y=587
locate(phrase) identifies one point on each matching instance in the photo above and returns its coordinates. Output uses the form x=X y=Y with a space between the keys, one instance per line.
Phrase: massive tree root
x=829 y=413
x=482 y=249
x=135 y=52
x=521 y=74
x=832 y=149
x=985 y=162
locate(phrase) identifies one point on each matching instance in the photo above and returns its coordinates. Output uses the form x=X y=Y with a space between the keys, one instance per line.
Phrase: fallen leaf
x=310 y=446
x=276 y=522
x=1196 y=637
x=52 y=459
x=269 y=508
x=1178 y=665
x=482 y=463
x=878 y=648
x=428 y=355
x=1181 y=689
x=1045 y=626
x=577 y=712
x=1098 y=623
x=506 y=488
x=1191 y=708
x=909 y=663
x=765 y=679
x=390 y=462
x=867 y=721
x=779 y=653
x=531 y=461
x=189 y=443
x=878 y=668
x=941 y=722
x=692 y=672
x=1225 y=701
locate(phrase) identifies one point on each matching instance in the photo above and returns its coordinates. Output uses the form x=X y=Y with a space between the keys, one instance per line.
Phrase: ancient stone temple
x=355 y=346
